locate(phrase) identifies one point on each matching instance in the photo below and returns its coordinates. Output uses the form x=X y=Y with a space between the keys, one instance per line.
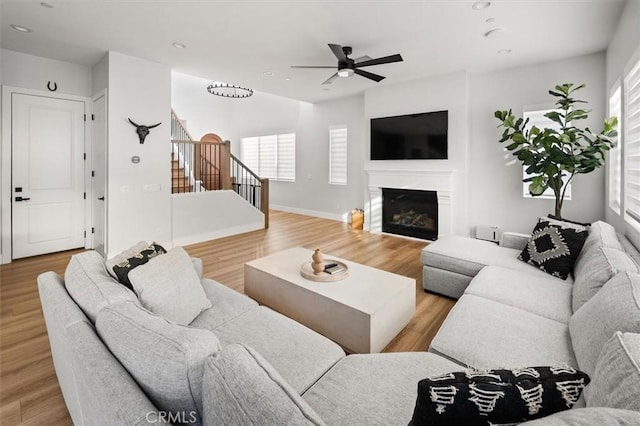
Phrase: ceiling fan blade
x=375 y=77
x=380 y=61
x=330 y=79
x=362 y=59
x=337 y=50
x=313 y=66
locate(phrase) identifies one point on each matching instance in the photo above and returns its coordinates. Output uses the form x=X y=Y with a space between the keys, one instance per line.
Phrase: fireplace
x=410 y=212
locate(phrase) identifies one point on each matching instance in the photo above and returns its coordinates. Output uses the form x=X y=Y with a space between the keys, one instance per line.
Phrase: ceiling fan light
x=345 y=72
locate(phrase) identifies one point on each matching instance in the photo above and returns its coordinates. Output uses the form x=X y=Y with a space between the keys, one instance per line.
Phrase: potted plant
x=553 y=157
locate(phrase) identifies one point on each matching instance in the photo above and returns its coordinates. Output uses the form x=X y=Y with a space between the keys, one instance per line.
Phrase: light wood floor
x=29 y=392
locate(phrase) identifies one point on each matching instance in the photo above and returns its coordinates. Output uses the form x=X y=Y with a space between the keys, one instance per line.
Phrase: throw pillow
x=124 y=267
x=165 y=359
x=565 y=223
x=616 y=380
x=125 y=254
x=553 y=249
x=241 y=388
x=497 y=396
x=169 y=286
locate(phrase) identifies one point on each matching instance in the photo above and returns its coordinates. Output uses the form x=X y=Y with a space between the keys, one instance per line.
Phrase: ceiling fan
x=347 y=66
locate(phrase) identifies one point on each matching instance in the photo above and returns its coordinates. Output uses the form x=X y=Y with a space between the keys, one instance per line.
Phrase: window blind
x=615 y=159
x=338 y=155
x=271 y=156
x=286 y=158
x=631 y=129
x=536 y=118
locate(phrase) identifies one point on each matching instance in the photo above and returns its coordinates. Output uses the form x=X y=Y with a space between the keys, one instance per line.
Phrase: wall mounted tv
x=420 y=136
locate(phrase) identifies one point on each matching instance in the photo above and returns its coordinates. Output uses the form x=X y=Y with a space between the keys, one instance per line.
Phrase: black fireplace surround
x=410 y=212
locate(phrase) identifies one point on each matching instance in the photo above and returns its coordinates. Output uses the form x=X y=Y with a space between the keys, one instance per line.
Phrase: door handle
x=101 y=198
x=22 y=199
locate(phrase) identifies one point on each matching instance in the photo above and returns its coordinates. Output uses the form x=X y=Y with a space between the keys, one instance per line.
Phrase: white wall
x=33 y=72
x=623 y=51
x=202 y=111
x=139 y=195
x=202 y=216
x=495 y=180
x=446 y=92
x=311 y=193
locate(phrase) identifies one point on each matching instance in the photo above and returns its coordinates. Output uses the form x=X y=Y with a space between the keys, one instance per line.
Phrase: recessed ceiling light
x=47 y=5
x=287 y=78
x=479 y=5
x=325 y=89
x=490 y=20
x=495 y=32
x=21 y=28
x=268 y=73
x=504 y=51
x=179 y=45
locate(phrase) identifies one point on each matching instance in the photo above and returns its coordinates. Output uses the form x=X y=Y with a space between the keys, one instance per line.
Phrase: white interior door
x=99 y=143
x=47 y=140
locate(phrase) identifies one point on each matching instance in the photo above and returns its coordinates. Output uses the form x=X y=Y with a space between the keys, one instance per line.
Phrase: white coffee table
x=362 y=312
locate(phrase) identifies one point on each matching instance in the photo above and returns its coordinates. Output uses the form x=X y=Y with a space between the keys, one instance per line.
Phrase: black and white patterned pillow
x=553 y=249
x=123 y=268
x=496 y=396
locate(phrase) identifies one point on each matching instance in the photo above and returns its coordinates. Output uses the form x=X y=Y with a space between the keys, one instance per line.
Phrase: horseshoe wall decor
x=55 y=86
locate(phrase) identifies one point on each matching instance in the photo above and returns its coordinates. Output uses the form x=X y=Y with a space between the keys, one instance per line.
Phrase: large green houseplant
x=553 y=157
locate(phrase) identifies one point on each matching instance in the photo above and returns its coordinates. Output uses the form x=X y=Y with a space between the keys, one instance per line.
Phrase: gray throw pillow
x=91 y=287
x=616 y=382
x=165 y=359
x=242 y=388
x=616 y=307
x=169 y=286
x=598 y=266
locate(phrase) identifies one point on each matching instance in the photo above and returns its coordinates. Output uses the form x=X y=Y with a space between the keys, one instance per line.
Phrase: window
x=271 y=156
x=615 y=159
x=338 y=155
x=631 y=127
x=536 y=118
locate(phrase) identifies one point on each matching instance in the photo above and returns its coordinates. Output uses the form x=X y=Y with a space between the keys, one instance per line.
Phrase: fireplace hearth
x=410 y=212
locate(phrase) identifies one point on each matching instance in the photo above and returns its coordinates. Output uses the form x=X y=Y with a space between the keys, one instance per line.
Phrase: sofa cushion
x=467 y=256
x=616 y=381
x=553 y=249
x=525 y=291
x=597 y=267
x=601 y=234
x=91 y=286
x=241 y=388
x=274 y=336
x=497 y=396
x=166 y=359
x=374 y=389
x=226 y=305
x=123 y=268
x=169 y=286
x=482 y=333
x=124 y=255
x=616 y=307
x=589 y=416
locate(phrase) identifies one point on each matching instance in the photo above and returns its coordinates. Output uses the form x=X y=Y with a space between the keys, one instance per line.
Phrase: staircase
x=179 y=180
x=208 y=165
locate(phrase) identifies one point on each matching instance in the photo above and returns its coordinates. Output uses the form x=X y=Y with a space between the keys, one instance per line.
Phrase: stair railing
x=250 y=186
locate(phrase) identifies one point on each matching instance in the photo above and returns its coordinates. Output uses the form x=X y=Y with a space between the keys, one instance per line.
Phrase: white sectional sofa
x=240 y=363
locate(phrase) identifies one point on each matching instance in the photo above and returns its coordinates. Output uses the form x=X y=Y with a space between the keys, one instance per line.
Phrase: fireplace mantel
x=439 y=180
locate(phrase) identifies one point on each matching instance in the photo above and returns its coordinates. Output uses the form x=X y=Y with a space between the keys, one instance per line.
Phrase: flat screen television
x=420 y=136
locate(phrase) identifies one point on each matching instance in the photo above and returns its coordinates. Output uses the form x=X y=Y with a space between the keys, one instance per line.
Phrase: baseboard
x=313 y=213
x=193 y=239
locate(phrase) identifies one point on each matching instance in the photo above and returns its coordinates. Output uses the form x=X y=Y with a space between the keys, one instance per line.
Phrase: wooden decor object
x=318 y=262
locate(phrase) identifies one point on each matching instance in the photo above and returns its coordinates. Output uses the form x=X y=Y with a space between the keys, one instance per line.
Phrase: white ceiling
x=237 y=41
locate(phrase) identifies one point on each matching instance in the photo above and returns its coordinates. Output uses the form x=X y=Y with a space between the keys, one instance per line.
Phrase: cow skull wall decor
x=143 y=130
